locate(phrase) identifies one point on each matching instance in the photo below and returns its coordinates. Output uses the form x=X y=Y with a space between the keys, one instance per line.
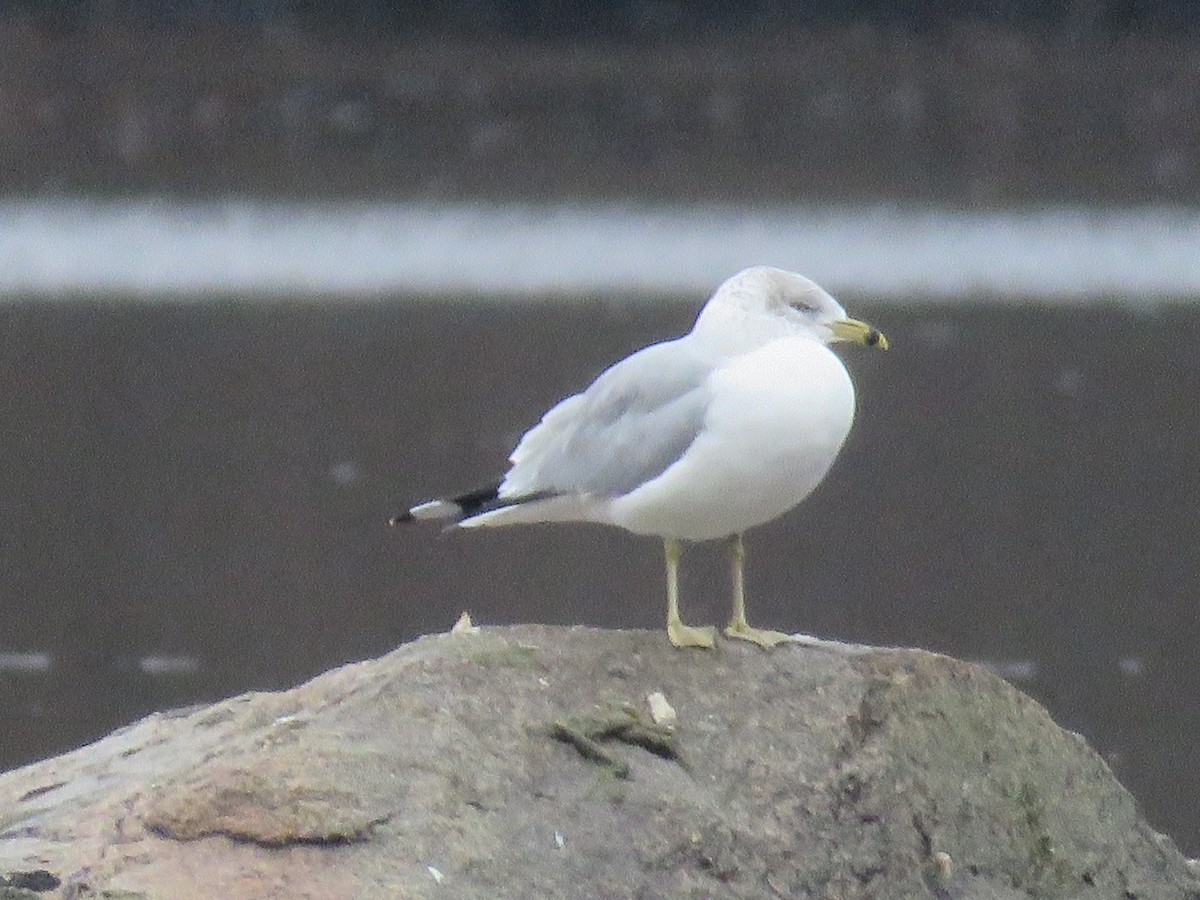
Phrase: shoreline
x=977 y=116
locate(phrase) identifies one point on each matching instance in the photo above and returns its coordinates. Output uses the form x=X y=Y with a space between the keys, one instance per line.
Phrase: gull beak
x=857 y=332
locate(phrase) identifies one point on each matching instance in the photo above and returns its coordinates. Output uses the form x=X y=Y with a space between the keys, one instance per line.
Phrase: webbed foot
x=687 y=636
x=744 y=631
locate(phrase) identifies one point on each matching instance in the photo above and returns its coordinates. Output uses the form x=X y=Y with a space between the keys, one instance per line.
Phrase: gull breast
x=777 y=418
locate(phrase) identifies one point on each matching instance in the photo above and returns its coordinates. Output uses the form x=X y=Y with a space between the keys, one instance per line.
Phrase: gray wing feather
x=633 y=422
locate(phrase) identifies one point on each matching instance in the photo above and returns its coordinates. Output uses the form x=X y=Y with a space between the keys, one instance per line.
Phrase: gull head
x=762 y=303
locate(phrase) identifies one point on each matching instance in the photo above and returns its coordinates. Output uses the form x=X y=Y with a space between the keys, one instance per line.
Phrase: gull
x=694 y=439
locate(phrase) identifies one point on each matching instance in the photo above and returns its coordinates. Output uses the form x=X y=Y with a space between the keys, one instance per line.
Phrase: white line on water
x=164 y=664
x=164 y=250
x=25 y=661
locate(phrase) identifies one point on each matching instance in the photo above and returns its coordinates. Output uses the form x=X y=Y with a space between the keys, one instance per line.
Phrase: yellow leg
x=738 y=626
x=682 y=635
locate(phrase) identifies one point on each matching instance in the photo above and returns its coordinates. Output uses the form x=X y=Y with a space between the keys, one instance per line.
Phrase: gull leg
x=738 y=626
x=681 y=635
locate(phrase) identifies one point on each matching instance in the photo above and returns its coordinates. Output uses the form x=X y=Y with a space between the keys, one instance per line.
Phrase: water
x=155 y=249
x=195 y=494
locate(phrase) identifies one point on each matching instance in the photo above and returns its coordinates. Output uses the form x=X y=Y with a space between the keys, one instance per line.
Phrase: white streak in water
x=1131 y=666
x=163 y=664
x=25 y=661
x=159 y=249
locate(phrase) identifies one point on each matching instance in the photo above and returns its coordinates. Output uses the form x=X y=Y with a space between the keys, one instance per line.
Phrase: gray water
x=194 y=500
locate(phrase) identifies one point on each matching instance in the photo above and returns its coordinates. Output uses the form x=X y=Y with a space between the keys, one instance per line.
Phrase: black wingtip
x=476 y=501
x=400 y=519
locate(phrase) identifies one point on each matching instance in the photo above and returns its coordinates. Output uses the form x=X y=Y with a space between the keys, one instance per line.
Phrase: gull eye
x=802 y=306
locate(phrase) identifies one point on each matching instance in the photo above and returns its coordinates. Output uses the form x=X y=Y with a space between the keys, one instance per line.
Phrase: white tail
x=436 y=509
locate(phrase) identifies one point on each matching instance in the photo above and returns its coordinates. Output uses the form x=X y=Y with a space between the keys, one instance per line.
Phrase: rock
x=526 y=762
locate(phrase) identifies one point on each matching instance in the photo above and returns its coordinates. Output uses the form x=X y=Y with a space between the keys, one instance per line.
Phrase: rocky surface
x=531 y=762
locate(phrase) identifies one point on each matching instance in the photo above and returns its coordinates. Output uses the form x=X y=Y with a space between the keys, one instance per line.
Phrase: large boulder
x=573 y=762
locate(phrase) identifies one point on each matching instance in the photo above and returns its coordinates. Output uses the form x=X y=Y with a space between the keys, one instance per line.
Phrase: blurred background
x=270 y=272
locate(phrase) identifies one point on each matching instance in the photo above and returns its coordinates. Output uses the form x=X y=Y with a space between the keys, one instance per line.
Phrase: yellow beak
x=857 y=332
